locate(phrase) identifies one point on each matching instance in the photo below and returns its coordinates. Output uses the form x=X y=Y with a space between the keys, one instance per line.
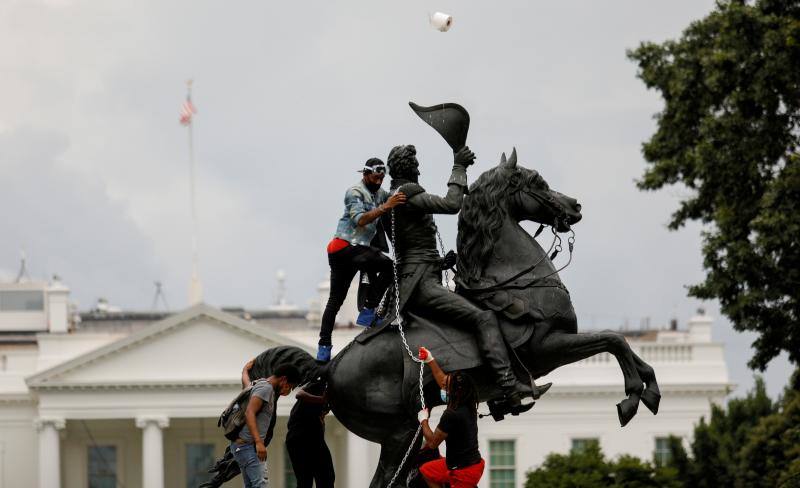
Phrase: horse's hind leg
x=559 y=349
x=651 y=396
x=393 y=450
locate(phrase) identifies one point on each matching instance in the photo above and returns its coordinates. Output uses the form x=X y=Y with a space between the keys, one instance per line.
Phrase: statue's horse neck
x=493 y=247
x=515 y=250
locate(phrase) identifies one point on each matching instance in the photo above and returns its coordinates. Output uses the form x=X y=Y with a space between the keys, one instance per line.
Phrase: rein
x=508 y=283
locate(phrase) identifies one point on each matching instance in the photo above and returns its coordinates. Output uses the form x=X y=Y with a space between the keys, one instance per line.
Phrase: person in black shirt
x=305 y=439
x=463 y=465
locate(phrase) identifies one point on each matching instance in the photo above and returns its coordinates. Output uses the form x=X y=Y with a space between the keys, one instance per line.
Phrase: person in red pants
x=463 y=466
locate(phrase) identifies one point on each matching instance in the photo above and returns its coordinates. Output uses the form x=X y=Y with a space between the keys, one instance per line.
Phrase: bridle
x=560 y=220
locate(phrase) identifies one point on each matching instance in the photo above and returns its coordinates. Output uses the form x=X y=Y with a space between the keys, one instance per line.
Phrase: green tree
x=588 y=468
x=717 y=457
x=728 y=133
x=771 y=455
x=584 y=468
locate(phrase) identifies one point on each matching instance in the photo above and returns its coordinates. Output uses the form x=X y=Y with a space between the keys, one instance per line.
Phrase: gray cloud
x=67 y=225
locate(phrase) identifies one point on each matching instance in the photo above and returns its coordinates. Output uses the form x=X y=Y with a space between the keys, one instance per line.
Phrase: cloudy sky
x=292 y=98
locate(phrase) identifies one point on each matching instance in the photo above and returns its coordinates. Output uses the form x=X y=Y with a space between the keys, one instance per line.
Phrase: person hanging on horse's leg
x=359 y=246
x=419 y=264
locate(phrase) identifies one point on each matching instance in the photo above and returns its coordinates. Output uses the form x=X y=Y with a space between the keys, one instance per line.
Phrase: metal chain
x=441 y=246
x=400 y=317
x=405 y=458
x=405 y=344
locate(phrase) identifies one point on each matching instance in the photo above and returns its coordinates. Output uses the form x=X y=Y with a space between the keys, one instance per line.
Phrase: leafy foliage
x=752 y=442
x=588 y=468
x=729 y=133
x=716 y=448
x=771 y=455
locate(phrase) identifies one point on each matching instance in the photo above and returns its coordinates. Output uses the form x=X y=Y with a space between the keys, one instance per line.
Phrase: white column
x=359 y=467
x=152 y=449
x=49 y=451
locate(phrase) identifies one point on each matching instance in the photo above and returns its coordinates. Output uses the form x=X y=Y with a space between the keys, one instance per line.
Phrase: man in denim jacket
x=357 y=246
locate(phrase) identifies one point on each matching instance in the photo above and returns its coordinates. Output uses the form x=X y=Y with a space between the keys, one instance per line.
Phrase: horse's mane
x=481 y=217
x=483 y=213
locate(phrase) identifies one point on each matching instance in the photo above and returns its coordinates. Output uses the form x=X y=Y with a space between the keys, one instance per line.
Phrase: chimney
x=700 y=327
x=57 y=306
x=673 y=324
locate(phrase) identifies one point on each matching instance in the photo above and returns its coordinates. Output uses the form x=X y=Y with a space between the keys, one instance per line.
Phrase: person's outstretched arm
x=392 y=202
x=432 y=439
x=246 y=373
x=307 y=397
x=438 y=375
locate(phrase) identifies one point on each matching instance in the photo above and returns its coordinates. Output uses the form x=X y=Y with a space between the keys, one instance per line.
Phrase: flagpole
x=195 y=287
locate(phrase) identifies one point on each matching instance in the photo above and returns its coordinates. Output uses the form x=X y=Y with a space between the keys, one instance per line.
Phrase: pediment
x=200 y=346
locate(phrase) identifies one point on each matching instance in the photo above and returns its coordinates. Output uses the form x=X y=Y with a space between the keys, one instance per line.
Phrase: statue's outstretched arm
x=451 y=202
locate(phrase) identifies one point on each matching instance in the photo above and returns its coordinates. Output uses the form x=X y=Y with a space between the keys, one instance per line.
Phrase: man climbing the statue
x=420 y=266
x=355 y=248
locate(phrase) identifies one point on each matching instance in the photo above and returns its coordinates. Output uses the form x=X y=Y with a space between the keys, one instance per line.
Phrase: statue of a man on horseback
x=509 y=302
x=419 y=270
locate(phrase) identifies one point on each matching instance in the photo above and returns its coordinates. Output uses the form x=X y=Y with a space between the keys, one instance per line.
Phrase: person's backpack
x=232 y=419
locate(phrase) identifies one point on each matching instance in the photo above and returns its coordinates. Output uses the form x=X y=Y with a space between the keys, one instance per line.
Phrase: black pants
x=311 y=460
x=345 y=263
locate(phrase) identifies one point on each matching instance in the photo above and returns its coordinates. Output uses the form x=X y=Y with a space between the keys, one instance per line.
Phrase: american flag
x=187 y=111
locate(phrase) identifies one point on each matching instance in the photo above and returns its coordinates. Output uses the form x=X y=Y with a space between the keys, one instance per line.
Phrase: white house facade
x=131 y=399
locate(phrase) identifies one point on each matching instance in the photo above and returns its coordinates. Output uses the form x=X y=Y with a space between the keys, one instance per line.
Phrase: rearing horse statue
x=503 y=267
x=373 y=384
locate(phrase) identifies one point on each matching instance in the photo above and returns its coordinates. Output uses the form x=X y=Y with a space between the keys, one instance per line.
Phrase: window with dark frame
x=502 y=464
x=199 y=459
x=21 y=300
x=579 y=444
x=102 y=466
x=662 y=455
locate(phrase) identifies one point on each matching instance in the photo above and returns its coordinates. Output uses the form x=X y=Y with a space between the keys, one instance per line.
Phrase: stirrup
x=498 y=409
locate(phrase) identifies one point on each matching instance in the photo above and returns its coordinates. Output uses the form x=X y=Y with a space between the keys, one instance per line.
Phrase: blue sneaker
x=366 y=317
x=324 y=353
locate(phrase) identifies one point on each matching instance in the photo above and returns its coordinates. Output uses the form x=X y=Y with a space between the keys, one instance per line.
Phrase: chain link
x=399 y=319
x=441 y=246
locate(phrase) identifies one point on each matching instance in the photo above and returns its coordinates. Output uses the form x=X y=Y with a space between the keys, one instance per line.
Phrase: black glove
x=449 y=260
x=464 y=157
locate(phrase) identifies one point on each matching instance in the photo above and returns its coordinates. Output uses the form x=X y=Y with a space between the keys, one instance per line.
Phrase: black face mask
x=372 y=187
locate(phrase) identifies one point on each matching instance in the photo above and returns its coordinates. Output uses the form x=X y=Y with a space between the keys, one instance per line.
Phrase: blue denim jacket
x=357 y=201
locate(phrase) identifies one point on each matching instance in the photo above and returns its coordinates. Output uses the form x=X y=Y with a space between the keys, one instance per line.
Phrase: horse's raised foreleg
x=393 y=448
x=651 y=396
x=559 y=349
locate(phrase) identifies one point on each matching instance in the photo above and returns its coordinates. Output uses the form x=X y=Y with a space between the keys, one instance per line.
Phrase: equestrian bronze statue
x=373 y=384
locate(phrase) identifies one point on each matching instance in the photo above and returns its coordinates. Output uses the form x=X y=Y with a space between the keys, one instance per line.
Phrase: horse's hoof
x=651 y=400
x=626 y=409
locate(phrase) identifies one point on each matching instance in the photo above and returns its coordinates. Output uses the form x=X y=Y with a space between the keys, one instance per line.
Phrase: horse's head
x=507 y=191
x=529 y=197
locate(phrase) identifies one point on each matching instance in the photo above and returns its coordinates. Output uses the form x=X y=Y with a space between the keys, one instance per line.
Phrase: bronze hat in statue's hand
x=450 y=120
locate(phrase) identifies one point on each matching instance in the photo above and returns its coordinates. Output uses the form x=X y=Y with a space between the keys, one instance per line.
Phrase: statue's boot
x=495 y=353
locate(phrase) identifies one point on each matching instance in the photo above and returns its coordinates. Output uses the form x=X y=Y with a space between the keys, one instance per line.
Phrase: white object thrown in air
x=441 y=22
